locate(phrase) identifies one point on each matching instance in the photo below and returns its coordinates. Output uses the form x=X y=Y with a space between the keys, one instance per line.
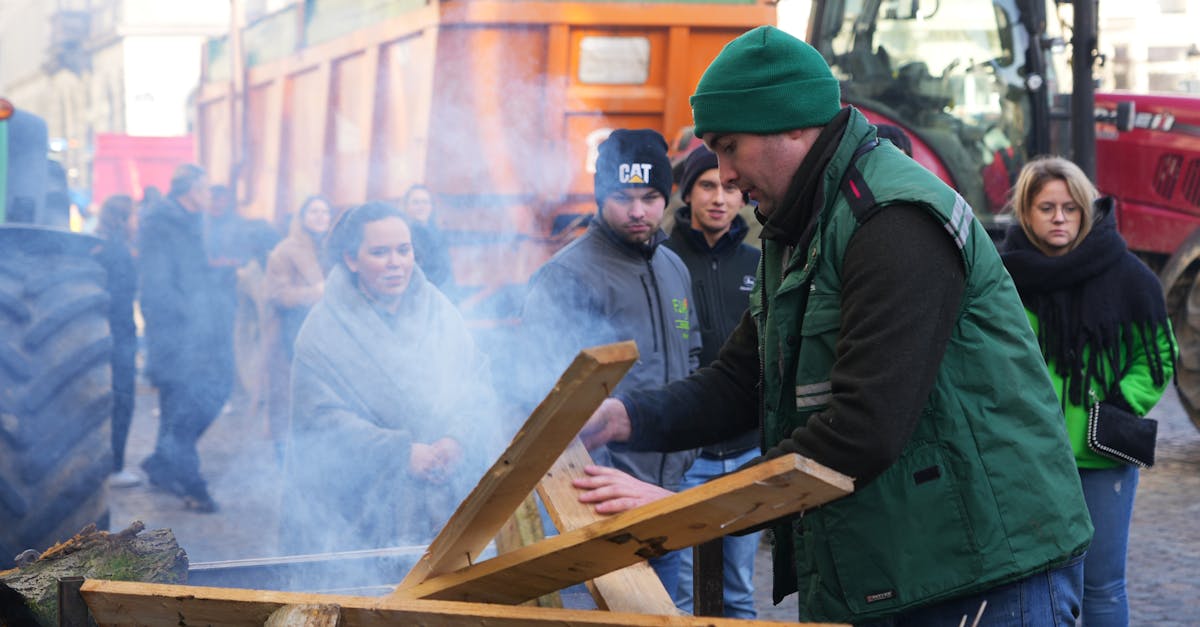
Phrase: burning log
x=128 y=555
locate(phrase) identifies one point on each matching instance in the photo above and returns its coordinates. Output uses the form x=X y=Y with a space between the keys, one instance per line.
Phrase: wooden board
x=160 y=605
x=741 y=500
x=579 y=391
x=634 y=588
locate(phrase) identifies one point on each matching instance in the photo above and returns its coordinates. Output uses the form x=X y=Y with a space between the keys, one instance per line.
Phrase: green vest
x=986 y=491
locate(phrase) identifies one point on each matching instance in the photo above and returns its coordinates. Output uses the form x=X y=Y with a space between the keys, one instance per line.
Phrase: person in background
x=393 y=413
x=1102 y=323
x=885 y=341
x=295 y=280
x=116 y=228
x=189 y=349
x=249 y=346
x=616 y=282
x=897 y=136
x=151 y=195
x=708 y=237
x=225 y=243
x=428 y=242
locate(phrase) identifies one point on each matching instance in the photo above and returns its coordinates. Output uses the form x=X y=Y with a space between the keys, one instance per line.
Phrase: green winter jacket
x=1137 y=386
x=985 y=491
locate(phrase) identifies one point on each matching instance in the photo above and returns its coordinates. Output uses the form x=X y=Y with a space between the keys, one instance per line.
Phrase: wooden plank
x=578 y=392
x=120 y=603
x=631 y=589
x=775 y=488
x=522 y=529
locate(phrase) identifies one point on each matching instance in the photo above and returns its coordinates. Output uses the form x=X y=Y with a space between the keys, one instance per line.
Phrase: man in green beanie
x=885 y=340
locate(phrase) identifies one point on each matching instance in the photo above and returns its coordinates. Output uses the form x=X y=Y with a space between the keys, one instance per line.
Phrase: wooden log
x=580 y=390
x=523 y=529
x=118 y=603
x=153 y=556
x=775 y=488
x=635 y=588
x=307 y=615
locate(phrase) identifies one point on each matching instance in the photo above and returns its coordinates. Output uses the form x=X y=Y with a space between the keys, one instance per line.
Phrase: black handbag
x=1121 y=435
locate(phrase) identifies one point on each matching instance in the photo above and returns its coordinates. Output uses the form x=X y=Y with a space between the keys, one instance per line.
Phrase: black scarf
x=1099 y=296
x=793 y=221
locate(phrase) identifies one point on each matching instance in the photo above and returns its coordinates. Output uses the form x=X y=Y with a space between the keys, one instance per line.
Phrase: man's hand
x=614 y=491
x=609 y=423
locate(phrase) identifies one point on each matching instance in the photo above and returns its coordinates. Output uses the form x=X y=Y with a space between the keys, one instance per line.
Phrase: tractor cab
x=971 y=82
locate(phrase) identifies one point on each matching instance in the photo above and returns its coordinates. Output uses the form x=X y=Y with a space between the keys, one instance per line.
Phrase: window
x=614 y=60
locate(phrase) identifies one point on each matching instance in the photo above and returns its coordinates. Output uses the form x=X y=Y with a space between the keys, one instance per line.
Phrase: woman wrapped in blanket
x=393 y=414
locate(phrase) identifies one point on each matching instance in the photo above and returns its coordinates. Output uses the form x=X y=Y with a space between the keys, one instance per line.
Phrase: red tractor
x=981 y=86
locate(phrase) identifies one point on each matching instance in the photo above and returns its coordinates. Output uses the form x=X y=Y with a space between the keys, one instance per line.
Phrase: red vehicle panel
x=124 y=164
x=1153 y=170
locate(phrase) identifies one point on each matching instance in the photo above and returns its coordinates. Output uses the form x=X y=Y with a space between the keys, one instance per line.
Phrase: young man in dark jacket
x=190 y=357
x=886 y=341
x=708 y=238
x=614 y=283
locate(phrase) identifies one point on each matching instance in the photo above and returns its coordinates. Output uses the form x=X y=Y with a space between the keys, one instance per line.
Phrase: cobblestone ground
x=239 y=461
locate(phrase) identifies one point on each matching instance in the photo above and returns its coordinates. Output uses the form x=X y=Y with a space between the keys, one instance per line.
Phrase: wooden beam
x=580 y=390
x=635 y=588
x=120 y=603
x=775 y=488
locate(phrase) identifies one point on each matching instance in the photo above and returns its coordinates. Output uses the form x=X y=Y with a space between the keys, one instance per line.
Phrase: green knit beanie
x=764 y=82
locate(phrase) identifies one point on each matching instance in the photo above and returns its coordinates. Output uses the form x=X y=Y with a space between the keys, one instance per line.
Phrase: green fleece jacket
x=1137 y=386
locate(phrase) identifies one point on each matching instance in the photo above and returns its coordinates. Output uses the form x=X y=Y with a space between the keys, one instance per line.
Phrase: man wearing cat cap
x=615 y=283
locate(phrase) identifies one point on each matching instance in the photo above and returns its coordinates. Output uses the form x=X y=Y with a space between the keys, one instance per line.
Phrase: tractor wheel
x=1186 y=318
x=55 y=398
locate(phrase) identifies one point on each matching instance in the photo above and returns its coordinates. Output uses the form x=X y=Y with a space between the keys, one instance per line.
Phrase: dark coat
x=429 y=246
x=187 y=338
x=722 y=277
x=122 y=289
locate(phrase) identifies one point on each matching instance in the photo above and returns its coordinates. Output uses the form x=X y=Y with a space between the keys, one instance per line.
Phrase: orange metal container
x=494 y=105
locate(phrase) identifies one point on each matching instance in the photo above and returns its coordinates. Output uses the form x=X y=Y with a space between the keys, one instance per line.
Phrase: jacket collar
x=641 y=251
x=795 y=218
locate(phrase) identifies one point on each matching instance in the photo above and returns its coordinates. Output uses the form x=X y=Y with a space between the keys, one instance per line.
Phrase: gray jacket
x=598 y=290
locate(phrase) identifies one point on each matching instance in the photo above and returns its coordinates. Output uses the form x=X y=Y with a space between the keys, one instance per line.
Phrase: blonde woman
x=1102 y=325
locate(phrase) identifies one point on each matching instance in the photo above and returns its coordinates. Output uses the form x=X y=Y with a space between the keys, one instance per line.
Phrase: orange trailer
x=497 y=106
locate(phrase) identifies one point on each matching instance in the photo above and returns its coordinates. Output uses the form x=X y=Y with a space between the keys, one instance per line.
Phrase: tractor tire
x=1185 y=316
x=55 y=397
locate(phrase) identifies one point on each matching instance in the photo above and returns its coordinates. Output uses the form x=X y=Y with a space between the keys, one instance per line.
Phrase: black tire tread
x=56 y=397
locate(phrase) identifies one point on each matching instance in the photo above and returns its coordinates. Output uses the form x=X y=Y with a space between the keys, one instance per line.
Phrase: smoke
x=493 y=131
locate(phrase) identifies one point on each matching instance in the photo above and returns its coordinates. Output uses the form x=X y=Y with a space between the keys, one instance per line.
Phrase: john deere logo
x=636 y=173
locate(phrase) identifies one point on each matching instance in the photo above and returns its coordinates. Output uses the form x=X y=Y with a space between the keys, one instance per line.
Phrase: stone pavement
x=239 y=461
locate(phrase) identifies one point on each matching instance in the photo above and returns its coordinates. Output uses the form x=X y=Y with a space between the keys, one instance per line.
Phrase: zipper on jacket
x=662 y=322
x=762 y=365
x=650 y=304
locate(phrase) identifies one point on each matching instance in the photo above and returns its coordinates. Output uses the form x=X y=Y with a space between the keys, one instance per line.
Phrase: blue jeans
x=666 y=566
x=1046 y=599
x=1109 y=494
x=739 y=551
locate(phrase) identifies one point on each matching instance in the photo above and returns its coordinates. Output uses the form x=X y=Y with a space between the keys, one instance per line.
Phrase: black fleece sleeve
x=903 y=284
x=715 y=403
